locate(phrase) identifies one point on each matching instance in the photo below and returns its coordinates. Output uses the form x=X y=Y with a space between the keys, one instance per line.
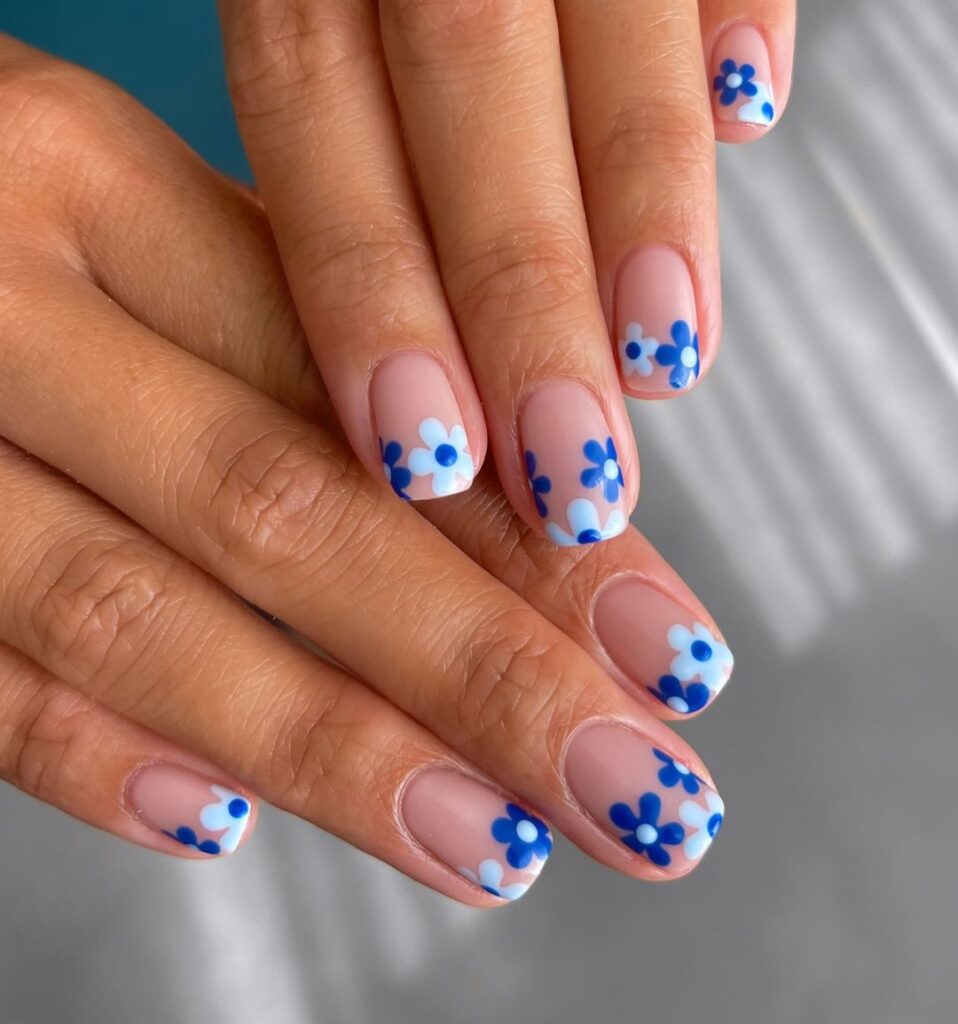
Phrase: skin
x=140 y=362
x=428 y=189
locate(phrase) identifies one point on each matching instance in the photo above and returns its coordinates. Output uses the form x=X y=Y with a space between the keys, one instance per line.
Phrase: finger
x=316 y=112
x=216 y=228
x=92 y=598
x=480 y=93
x=749 y=48
x=647 y=165
x=268 y=505
x=62 y=747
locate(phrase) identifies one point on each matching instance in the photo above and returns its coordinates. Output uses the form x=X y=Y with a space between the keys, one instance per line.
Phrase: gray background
x=808 y=491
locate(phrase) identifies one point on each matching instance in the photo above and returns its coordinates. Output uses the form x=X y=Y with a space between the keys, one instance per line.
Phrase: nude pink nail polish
x=193 y=811
x=656 y=323
x=483 y=836
x=572 y=465
x=649 y=801
x=661 y=646
x=741 y=74
x=422 y=440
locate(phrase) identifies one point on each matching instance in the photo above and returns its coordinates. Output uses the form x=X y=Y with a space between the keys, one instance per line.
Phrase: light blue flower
x=605 y=470
x=525 y=835
x=700 y=656
x=682 y=356
x=644 y=833
x=230 y=814
x=585 y=524
x=446 y=458
x=674 y=773
x=489 y=877
x=398 y=476
x=636 y=352
x=540 y=485
x=706 y=822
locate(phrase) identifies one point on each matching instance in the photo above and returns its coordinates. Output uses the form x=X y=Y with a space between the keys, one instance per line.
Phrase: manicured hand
x=153 y=367
x=455 y=232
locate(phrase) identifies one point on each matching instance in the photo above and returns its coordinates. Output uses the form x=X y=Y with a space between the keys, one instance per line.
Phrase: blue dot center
x=715 y=823
x=238 y=808
x=446 y=455
x=701 y=651
x=589 y=537
x=633 y=350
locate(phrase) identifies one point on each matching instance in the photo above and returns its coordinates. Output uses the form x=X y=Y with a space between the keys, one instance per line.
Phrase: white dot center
x=610 y=469
x=689 y=357
x=646 y=834
x=734 y=80
x=527 y=832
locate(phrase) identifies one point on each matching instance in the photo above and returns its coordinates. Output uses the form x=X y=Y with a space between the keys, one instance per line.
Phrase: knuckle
x=275 y=499
x=529 y=273
x=100 y=601
x=40 y=747
x=460 y=24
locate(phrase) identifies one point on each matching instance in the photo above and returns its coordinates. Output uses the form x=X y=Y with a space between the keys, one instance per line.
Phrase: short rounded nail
x=656 y=323
x=660 y=646
x=572 y=465
x=650 y=802
x=422 y=440
x=485 y=837
x=741 y=74
x=190 y=809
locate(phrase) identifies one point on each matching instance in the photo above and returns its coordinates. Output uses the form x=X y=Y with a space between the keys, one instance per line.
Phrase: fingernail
x=661 y=646
x=190 y=809
x=658 y=341
x=651 y=803
x=477 y=832
x=572 y=465
x=742 y=78
x=422 y=440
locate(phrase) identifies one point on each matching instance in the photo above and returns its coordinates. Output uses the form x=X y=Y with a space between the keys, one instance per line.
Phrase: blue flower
x=526 y=836
x=683 y=356
x=540 y=485
x=683 y=699
x=673 y=773
x=645 y=834
x=185 y=835
x=734 y=79
x=398 y=476
x=606 y=470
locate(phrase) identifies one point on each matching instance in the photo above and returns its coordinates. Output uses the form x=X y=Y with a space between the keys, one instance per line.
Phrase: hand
x=152 y=356
x=449 y=236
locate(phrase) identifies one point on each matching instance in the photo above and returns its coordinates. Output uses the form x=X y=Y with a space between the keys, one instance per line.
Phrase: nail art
x=422 y=441
x=652 y=803
x=660 y=646
x=742 y=85
x=656 y=316
x=191 y=810
x=493 y=842
x=572 y=466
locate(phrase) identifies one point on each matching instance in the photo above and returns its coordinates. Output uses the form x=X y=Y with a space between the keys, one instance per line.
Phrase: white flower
x=445 y=459
x=490 y=878
x=230 y=812
x=586 y=527
x=756 y=111
x=705 y=820
x=700 y=655
x=636 y=352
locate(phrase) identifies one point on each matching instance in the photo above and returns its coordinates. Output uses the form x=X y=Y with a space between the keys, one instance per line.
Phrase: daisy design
x=735 y=80
x=644 y=833
x=760 y=109
x=684 y=699
x=700 y=656
x=682 y=355
x=605 y=471
x=489 y=877
x=636 y=352
x=398 y=476
x=229 y=813
x=445 y=457
x=524 y=835
x=674 y=773
x=585 y=524
x=540 y=484
x=705 y=821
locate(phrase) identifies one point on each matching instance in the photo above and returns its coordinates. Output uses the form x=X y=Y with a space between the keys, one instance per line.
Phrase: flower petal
x=624 y=817
x=421 y=462
x=594 y=452
x=433 y=433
